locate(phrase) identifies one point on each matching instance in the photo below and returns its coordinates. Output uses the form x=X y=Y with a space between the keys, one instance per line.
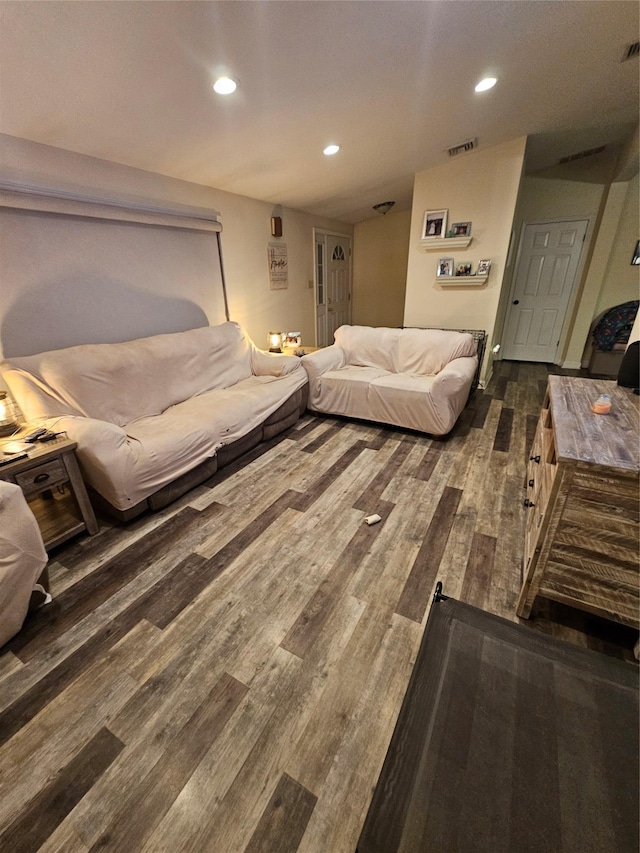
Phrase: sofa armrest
x=328 y=358
x=317 y=363
x=272 y=364
x=102 y=446
x=455 y=377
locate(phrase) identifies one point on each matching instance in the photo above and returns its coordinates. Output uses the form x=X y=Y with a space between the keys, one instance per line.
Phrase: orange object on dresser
x=602 y=405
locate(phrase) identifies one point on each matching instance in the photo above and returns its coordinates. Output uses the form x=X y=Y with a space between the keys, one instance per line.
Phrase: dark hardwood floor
x=225 y=675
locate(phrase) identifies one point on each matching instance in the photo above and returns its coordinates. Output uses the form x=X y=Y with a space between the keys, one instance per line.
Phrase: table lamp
x=8 y=415
x=275 y=341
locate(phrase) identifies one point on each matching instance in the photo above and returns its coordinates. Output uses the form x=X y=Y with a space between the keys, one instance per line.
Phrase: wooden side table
x=292 y=350
x=51 y=464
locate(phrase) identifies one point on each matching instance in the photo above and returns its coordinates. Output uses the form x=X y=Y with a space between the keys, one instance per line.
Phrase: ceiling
x=392 y=82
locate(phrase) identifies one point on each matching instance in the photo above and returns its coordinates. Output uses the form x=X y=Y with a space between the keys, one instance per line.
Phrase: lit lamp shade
x=275 y=341
x=8 y=415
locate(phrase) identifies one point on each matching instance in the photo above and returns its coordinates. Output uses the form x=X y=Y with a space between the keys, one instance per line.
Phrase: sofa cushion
x=366 y=346
x=420 y=351
x=345 y=391
x=405 y=400
x=120 y=382
x=427 y=351
x=160 y=448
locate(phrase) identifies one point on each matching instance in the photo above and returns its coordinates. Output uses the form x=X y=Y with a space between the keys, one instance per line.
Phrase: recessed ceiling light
x=487 y=83
x=225 y=86
x=331 y=149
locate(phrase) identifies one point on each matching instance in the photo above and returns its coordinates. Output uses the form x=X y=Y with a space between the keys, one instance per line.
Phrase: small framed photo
x=483 y=267
x=636 y=255
x=460 y=229
x=435 y=224
x=463 y=268
x=445 y=267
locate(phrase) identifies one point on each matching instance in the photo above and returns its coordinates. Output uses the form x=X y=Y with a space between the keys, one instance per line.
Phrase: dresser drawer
x=42 y=477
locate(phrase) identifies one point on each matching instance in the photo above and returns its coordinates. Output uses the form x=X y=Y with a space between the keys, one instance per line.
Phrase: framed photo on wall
x=463 y=268
x=445 y=267
x=483 y=267
x=434 y=224
x=460 y=229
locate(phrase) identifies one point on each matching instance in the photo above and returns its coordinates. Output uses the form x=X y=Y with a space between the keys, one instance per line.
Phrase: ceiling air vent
x=632 y=50
x=589 y=152
x=469 y=145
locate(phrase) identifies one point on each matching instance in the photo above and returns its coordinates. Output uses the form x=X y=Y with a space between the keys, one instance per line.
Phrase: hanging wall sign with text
x=278 y=266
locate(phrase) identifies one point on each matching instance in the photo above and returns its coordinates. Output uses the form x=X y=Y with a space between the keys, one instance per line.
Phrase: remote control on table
x=35 y=435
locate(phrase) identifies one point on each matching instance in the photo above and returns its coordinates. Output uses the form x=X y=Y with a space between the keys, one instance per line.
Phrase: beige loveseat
x=414 y=378
x=155 y=416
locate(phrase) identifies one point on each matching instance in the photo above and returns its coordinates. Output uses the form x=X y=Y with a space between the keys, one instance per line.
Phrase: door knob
x=516 y=301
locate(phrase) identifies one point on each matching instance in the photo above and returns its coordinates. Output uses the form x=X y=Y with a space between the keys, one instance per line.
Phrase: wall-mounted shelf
x=462 y=280
x=431 y=243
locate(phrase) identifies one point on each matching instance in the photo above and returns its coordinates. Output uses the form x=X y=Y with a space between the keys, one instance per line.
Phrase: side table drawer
x=42 y=477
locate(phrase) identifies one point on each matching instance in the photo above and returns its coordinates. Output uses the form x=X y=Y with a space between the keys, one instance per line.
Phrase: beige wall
x=542 y=200
x=548 y=199
x=381 y=250
x=481 y=187
x=245 y=238
x=621 y=279
x=609 y=280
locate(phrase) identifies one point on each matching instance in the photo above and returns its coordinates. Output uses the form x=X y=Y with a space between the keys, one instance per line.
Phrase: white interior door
x=333 y=284
x=544 y=279
x=321 y=290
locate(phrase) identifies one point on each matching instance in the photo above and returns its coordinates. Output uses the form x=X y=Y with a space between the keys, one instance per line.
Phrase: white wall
x=481 y=187
x=380 y=254
x=245 y=238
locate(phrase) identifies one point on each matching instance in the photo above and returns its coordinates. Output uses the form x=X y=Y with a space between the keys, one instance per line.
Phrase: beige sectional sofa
x=155 y=416
x=414 y=378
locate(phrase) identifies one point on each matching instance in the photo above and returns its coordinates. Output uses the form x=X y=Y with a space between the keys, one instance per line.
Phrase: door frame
x=577 y=279
x=323 y=233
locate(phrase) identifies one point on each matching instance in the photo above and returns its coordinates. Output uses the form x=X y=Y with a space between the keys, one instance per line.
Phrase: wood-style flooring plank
x=375 y=489
x=284 y=820
x=503 y=433
x=246 y=790
x=417 y=591
x=52 y=804
x=479 y=571
x=316 y=612
x=134 y=818
x=74 y=604
x=343 y=800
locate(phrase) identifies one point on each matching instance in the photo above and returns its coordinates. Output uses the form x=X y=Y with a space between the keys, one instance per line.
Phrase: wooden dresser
x=581 y=542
